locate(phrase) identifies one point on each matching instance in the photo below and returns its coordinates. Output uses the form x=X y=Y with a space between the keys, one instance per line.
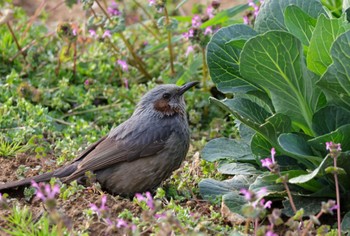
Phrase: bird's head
x=165 y=100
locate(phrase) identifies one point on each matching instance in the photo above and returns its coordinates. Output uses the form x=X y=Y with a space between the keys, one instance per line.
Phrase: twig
x=15 y=39
x=170 y=47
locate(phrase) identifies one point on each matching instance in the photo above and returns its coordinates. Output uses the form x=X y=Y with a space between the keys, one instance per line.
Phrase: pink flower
x=188 y=34
x=100 y=210
x=74 y=31
x=113 y=10
x=148 y=199
x=248 y=195
x=210 y=12
x=265 y=205
x=208 y=30
x=246 y=20
x=45 y=191
x=196 y=21
x=152 y=2
x=92 y=33
x=333 y=146
x=270 y=233
x=123 y=65
x=267 y=162
x=122 y=223
x=189 y=50
x=107 y=33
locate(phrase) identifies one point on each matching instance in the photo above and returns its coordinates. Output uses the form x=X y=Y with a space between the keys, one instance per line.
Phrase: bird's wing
x=133 y=145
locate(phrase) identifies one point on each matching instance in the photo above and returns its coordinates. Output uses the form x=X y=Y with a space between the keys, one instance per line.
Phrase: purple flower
x=246 y=20
x=148 y=199
x=152 y=2
x=196 y=21
x=92 y=33
x=251 y=3
x=74 y=31
x=103 y=208
x=248 y=195
x=210 y=12
x=188 y=34
x=208 y=30
x=265 y=205
x=45 y=191
x=123 y=65
x=330 y=146
x=113 y=10
x=267 y=162
x=122 y=223
x=107 y=33
x=270 y=233
x=86 y=82
x=189 y=50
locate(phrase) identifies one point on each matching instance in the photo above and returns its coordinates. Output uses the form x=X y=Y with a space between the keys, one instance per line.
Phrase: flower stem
x=289 y=195
x=170 y=47
x=205 y=70
x=337 y=196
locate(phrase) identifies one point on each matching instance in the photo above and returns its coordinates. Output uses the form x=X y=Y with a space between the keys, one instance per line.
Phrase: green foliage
x=8 y=149
x=290 y=86
x=21 y=222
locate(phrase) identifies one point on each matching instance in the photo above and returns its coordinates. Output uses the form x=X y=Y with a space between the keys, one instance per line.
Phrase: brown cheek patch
x=163 y=106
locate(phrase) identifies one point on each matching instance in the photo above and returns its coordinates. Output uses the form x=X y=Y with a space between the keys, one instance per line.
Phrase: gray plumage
x=140 y=153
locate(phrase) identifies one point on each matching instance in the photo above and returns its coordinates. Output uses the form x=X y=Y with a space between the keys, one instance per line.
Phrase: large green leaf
x=211 y=189
x=299 y=23
x=257 y=118
x=238 y=169
x=340 y=135
x=336 y=80
x=224 y=148
x=326 y=31
x=274 y=61
x=307 y=177
x=271 y=17
x=296 y=146
x=330 y=118
x=234 y=201
x=267 y=181
x=223 y=56
x=345 y=224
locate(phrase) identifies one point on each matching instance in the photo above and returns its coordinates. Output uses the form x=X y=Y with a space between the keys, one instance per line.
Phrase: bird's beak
x=187 y=86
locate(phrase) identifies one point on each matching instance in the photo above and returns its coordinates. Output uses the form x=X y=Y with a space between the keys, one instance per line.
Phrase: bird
x=137 y=155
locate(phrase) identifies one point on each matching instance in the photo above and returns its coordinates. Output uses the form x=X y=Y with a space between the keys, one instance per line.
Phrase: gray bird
x=140 y=153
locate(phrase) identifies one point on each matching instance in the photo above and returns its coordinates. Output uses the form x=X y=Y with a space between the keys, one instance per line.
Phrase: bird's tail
x=59 y=173
x=23 y=182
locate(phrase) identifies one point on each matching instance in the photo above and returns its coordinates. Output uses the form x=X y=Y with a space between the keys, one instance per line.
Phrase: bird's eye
x=166 y=95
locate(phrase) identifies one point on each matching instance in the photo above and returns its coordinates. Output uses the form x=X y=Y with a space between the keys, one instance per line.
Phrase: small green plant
x=10 y=149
